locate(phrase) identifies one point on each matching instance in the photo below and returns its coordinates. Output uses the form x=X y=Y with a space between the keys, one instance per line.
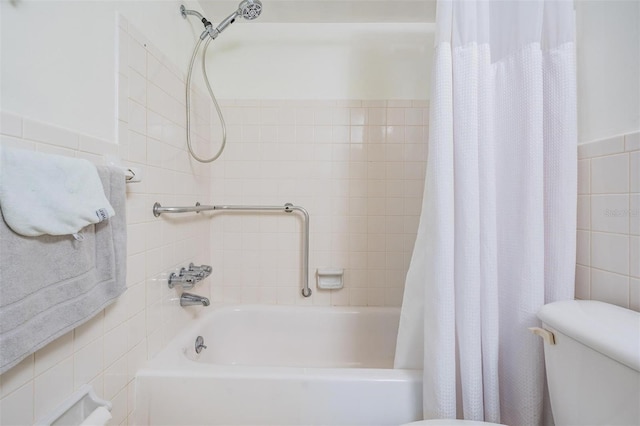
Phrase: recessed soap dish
x=330 y=278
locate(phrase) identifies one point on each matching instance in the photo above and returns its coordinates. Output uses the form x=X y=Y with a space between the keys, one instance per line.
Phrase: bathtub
x=281 y=365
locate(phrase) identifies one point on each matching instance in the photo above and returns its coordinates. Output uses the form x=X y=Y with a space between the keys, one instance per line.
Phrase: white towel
x=49 y=194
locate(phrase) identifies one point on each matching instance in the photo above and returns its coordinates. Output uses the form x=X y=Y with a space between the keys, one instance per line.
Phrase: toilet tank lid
x=608 y=329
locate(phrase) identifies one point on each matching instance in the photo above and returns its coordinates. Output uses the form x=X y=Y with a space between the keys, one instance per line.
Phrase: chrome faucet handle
x=186 y=281
x=200 y=275
x=206 y=268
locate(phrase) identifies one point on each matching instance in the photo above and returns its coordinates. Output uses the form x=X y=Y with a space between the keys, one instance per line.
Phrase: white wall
x=608 y=36
x=58 y=60
x=253 y=60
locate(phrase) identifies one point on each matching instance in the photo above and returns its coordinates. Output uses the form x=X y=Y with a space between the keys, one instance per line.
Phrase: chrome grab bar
x=287 y=208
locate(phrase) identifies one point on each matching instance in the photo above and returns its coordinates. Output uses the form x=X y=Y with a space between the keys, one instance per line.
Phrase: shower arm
x=184 y=12
x=209 y=30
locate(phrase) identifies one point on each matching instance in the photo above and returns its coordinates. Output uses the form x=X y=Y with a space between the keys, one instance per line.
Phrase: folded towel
x=49 y=194
x=51 y=284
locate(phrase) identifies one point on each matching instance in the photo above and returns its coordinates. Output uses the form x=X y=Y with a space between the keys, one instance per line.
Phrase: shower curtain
x=496 y=238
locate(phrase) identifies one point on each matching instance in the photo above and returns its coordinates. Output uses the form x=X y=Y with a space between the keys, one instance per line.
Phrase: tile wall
x=358 y=167
x=608 y=243
x=108 y=350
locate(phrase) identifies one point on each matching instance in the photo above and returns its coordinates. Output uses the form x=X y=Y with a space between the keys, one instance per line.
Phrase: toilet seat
x=450 y=422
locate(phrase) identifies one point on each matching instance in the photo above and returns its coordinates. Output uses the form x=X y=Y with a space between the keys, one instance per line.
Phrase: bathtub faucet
x=188 y=299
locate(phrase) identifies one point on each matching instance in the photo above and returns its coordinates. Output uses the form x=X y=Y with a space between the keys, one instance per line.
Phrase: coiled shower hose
x=213 y=98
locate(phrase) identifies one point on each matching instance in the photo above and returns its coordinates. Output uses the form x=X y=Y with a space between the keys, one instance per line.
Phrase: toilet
x=592 y=357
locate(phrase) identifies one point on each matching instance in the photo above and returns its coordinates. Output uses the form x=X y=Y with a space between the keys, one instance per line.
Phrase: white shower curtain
x=496 y=239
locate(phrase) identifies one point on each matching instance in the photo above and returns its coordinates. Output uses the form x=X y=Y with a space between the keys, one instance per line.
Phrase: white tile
x=393 y=297
x=632 y=142
x=136 y=359
x=135 y=299
x=413 y=116
x=115 y=314
x=136 y=268
x=395 y=116
x=46 y=148
x=131 y=397
x=136 y=329
x=610 y=213
x=584 y=176
x=13 y=142
x=37 y=131
x=610 y=174
x=610 y=252
x=52 y=387
x=17 y=408
x=137 y=56
x=162 y=77
x=138 y=88
x=598 y=148
x=123 y=98
x=87 y=363
x=115 y=344
x=98 y=146
x=610 y=288
x=89 y=331
x=115 y=378
x=341 y=116
x=135 y=238
x=634 y=214
x=634 y=294
x=358 y=296
x=154 y=343
x=584 y=212
x=10 y=124
x=16 y=376
x=53 y=353
x=634 y=171
x=137 y=118
x=634 y=256
x=119 y=409
x=137 y=147
x=583 y=248
x=583 y=282
x=358 y=117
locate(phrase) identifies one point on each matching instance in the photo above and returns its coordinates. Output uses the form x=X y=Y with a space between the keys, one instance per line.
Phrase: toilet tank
x=593 y=369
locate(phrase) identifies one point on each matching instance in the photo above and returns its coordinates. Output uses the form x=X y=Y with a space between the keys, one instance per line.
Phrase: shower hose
x=213 y=98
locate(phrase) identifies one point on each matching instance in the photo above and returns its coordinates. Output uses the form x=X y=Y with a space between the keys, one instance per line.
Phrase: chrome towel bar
x=287 y=208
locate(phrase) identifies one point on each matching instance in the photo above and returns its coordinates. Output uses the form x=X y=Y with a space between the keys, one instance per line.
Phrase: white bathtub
x=277 y=365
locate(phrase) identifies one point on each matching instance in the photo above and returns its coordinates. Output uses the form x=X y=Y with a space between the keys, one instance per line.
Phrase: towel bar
x=287 y=208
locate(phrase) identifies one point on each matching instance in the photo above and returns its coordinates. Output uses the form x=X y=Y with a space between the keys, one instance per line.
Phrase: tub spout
x=188 y=299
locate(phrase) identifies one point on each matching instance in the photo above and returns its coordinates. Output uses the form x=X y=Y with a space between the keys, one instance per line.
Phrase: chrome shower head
x=250 y=9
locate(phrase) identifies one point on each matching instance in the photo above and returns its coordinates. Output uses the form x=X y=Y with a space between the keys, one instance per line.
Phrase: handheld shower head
x=250 y=9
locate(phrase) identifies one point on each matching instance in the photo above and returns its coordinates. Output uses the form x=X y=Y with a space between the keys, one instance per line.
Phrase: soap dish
x=330 y=278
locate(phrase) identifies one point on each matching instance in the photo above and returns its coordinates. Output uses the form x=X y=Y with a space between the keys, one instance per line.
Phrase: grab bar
x=287 y=208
